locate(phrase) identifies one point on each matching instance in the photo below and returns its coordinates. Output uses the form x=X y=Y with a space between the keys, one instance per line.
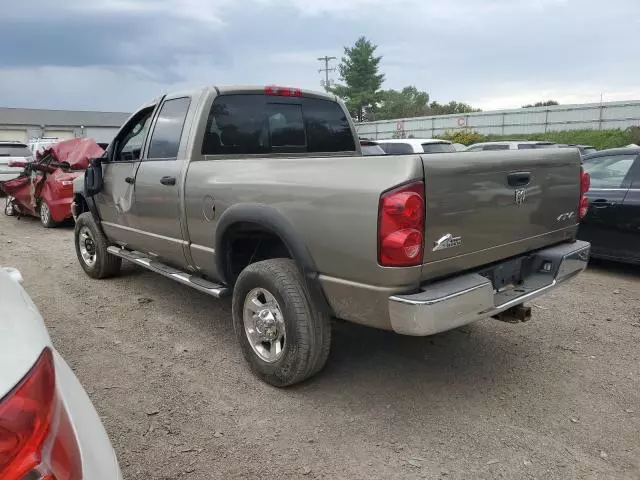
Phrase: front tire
x=45 y=215
x=91 y=249
x=284 y=339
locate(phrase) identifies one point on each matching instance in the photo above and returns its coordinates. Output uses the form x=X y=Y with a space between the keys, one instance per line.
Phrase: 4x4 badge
x=521 y=196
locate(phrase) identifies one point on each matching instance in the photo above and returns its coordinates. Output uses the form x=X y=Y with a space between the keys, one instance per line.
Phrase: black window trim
x=156 y=114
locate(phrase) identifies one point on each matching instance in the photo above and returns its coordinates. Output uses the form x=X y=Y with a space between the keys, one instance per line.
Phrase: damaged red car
x=44 y=189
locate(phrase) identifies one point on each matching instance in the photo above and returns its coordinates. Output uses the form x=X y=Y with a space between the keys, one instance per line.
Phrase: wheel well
x=81 y=203
x=246 y=243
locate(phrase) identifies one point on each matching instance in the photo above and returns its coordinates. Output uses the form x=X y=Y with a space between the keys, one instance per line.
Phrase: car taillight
x=585 y=183
x=36 y=438
x=282 y=91
x=401 y=226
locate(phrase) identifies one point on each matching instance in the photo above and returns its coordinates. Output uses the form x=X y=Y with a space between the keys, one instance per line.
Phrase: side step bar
x=199 y=283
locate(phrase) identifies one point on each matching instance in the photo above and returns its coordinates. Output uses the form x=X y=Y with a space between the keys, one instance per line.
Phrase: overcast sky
x=116 y=54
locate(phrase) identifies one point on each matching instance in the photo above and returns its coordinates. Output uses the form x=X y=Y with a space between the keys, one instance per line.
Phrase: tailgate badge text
x=521 y=196
x=448 y=241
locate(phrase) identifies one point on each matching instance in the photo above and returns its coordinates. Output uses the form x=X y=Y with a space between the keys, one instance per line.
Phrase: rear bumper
x=461 y=300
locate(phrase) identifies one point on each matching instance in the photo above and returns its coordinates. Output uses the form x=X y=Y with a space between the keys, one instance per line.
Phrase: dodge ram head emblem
x=521 y=196
x=448 y=241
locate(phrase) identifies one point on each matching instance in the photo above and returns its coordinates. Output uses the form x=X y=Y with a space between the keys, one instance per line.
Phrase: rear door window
x=397 y=148
x=16 y=150
x=165 y=139
x=609 y=171
x=246 y=124
x=499 y=146
x=438 y=147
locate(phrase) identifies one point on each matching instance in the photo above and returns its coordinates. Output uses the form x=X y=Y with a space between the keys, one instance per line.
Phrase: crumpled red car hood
x=76 y=152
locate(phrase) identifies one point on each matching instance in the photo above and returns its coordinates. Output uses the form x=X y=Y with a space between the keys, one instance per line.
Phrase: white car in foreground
x=49 y=429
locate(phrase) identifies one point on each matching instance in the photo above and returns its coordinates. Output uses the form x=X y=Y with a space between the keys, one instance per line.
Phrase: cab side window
x=131 y=139
x=165 y=139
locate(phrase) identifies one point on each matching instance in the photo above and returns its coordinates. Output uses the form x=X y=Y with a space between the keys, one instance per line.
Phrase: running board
x=199 y=283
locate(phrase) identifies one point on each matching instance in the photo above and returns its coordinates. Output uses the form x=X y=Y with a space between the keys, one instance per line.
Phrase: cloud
x=490 y=53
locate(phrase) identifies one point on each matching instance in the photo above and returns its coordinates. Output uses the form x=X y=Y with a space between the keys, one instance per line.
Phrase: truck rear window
x=257 y=124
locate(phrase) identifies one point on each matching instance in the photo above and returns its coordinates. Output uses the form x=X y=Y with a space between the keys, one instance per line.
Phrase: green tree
x=451 y=108
x=548 y=103
x=406 y=103
x=361 y=81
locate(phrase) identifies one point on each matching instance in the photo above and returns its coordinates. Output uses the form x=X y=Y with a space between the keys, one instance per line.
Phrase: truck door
x=605 y=226
x=155 y=212
x=118 y=170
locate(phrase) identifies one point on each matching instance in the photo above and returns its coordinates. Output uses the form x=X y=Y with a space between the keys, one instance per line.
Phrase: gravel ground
x=558 y=397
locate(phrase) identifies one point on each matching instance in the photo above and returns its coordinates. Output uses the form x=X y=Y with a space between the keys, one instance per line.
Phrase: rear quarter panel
x=332 y=203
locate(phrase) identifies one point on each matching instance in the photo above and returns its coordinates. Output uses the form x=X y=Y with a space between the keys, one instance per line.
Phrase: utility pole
x=326 y=59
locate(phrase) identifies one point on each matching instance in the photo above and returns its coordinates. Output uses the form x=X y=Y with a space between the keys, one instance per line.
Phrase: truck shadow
x=371 y=368
x=617 y=268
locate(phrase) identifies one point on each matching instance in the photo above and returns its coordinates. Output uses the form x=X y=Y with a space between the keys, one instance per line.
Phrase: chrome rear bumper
x=461 y=300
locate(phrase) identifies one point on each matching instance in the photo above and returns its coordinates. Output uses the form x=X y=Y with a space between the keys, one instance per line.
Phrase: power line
x=326 y=59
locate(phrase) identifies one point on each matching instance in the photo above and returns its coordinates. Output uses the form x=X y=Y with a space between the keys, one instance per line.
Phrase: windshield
x=438 y=147
x=14 y=151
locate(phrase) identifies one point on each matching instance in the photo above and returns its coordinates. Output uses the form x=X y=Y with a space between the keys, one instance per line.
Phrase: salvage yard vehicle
x=44 y=187
x=612 y=224
x=405 y=146
x=12 y=152
x=369 y=147
x=49 y=428
x=264 y=194
x=510 y=145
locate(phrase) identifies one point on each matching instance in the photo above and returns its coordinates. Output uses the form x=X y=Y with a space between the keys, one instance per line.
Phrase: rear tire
x=274 y=291
x=91 y=249
x=45 y=215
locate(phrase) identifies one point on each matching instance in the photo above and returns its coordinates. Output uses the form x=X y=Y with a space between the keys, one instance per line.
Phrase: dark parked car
x=612 y=224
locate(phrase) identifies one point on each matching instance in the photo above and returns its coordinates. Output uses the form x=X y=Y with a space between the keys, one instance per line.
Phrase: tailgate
x=482 y=207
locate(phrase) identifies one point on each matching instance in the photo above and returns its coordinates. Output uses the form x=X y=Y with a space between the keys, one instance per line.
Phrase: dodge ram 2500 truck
x=263 y=194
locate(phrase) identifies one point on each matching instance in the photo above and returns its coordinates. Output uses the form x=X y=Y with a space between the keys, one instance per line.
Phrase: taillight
x=36 y=438
x=282 y=91
x=401 y=226
x=585 y=183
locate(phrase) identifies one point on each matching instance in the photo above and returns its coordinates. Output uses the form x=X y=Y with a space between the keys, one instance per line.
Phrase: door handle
x=519 y=179
x=168 y=180
x=130 y=180
x=602 y=203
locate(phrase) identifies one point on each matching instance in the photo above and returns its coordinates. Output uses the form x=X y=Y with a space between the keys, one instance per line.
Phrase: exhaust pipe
x=517 y=314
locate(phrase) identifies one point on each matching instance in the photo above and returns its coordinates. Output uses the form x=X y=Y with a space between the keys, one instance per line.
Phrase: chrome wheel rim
x=87 y=246
x=44 y=213
x=264 y=325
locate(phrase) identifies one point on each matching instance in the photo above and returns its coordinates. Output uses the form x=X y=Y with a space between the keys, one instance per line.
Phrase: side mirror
x=93 y=181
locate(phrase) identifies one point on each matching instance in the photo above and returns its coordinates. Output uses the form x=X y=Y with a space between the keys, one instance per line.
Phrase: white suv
x=509 y=145
x=10 y=152
x=37 y=145
x=405 y=146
